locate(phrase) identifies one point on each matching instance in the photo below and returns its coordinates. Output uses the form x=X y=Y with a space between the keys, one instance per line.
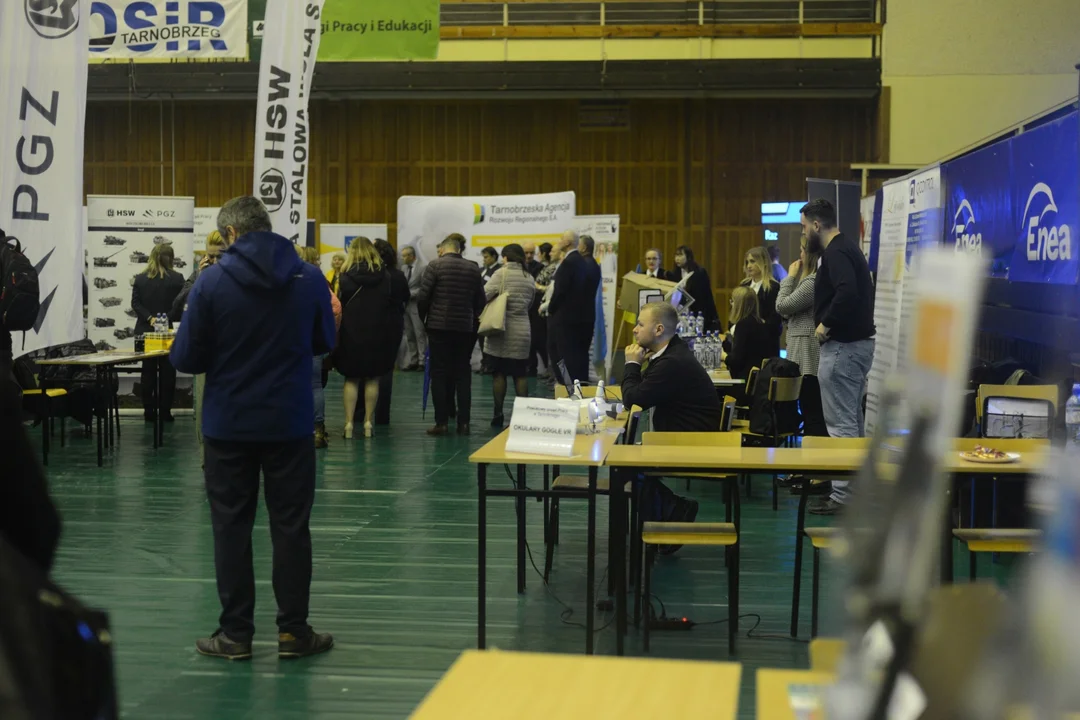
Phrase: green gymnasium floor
x=394 y=530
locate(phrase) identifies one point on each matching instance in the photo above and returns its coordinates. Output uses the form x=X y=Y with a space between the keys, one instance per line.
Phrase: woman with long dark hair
x=152 y=294
x=510 y=351
x=695 y=280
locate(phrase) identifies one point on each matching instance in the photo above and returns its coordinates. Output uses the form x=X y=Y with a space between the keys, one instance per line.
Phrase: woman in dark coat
x=695 y=279
x=373 y=299
x=153 y=294
x=759 y=278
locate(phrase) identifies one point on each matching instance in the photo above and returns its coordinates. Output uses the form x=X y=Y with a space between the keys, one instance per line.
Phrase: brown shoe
x=322 y=440
x=291 y=647
x=438 y=430
x=463 y=429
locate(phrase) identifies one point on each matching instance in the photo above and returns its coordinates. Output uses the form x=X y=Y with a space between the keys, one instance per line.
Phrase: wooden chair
x=748 y=390
x=821 y=538
x=580 y=484
x=47 y=410
x=813 y=442
x=723 y=534
x=990 y=540
x=727 y=416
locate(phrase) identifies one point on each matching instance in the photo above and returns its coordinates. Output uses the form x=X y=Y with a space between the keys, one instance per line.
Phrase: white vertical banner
x=43 y=63
x=911 y=221
x=290 y=45
x=604 y=229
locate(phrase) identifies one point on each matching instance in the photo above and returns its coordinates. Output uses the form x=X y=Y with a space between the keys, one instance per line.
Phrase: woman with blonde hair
x=366 y=347
x=749 y=341
x=333 y=275
x=152 y=294
x=759 y=278
x=795 y=303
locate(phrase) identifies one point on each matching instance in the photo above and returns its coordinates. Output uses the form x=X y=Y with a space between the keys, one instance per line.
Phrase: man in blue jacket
x=253 y=324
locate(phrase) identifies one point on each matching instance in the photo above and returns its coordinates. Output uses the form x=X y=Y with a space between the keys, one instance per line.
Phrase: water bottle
x=699 y=320
x=600 y=391
x=1072 y=417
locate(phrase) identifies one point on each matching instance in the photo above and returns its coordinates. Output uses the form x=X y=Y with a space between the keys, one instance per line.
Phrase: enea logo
x=967 y=240
x=1045 y=240
x=479 y=213
x=52 y=19
x=272 y=189
x=139 y=28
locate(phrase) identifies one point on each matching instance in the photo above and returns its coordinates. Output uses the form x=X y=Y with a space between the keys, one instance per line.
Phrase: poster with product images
x=121 y=233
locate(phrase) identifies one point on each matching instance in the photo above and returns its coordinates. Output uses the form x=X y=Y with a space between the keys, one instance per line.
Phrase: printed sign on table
x=543 y=427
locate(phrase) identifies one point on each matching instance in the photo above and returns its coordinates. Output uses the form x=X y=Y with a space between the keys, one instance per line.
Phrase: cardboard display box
x=635 y=284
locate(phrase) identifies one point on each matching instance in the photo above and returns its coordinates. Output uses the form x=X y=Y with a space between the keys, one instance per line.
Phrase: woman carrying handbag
x=505 y=325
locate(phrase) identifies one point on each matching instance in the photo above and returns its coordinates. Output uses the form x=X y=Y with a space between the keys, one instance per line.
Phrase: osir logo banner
x=380 y=30
x=167 y=28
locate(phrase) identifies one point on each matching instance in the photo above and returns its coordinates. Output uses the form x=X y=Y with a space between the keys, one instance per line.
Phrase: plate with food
x=989 y=455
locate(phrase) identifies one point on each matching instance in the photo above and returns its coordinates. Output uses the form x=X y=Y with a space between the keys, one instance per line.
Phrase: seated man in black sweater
x=674 y=388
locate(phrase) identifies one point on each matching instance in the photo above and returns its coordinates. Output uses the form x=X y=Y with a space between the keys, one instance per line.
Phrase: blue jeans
x=317 y=389
x=842 y=375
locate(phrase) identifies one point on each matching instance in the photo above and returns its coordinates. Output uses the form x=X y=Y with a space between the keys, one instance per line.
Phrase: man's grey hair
x=662 y=313
x=588 y=242
x=246 y=214
x=569 y=239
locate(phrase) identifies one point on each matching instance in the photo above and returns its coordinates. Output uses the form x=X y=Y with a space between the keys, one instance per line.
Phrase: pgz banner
x=290 y=46
x=43 y=56
x=164 y=29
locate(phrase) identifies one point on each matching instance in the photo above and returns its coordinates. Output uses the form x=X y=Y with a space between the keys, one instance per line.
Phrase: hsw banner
x=290 y=45
x=43 y=53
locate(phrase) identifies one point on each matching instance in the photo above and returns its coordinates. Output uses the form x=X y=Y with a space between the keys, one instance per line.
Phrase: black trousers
x=574 y=341
x=810 y=405
x=553 y=356
x=538 y=349
x=168 y=385
x=232 y=485
x=451 y=374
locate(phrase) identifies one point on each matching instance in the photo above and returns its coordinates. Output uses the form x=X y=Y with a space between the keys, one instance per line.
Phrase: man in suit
x=536 y=323
x=674 y=388
x=415 y=337
x=653 y=265
x=450 y=299
x=532 y=265
x=573 y=303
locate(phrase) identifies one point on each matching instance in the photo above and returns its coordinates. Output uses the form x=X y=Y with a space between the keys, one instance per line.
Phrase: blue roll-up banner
x=1046 y=191
x=980 y=212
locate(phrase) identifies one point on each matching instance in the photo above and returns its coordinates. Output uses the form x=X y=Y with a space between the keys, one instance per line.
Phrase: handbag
x=493 y=317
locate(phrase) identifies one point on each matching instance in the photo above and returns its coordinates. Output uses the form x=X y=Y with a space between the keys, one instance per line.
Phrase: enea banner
x=166 y=29
x=980 y=215
x=496 y=221
x=1046 y=192
x=290 y=47
x=43 y=62
x=380 y=30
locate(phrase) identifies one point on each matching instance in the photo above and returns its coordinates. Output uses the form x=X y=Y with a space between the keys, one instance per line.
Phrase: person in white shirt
x=415 y=336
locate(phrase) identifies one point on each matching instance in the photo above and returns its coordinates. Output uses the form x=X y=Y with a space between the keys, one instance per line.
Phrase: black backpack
x=762 y=411
x=19 y=298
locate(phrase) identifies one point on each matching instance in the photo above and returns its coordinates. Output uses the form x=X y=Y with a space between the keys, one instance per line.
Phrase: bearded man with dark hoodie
x=253 y=325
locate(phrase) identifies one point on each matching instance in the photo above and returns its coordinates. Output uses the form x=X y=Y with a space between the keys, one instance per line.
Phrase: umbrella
x=427 y=381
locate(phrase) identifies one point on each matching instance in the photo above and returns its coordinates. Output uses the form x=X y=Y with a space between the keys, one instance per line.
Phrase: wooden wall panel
x=690 y=171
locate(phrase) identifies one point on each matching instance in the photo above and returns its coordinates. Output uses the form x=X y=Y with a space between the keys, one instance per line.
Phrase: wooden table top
x=495 y=684
x=109 y=357
x=793 y=459
x=589 y=450
x=773 y=698
x=826 y=654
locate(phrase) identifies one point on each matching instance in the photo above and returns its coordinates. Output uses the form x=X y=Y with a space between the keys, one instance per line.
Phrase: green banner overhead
x=379 y=30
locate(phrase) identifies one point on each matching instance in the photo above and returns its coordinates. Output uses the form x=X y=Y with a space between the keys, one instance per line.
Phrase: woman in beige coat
x=509 y=351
